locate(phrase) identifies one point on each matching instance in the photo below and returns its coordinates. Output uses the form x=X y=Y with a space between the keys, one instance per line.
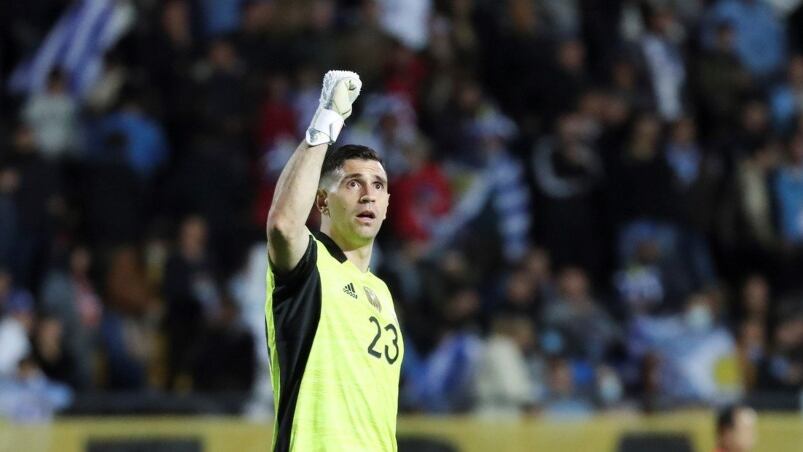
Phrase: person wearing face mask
x=698 y=315
x=707 y=357
x=698 y=355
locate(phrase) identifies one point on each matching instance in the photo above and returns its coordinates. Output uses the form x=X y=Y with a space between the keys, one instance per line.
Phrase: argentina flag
x=76 y=45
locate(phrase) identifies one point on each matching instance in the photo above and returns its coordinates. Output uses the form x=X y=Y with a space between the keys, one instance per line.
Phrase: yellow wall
x=777 y=432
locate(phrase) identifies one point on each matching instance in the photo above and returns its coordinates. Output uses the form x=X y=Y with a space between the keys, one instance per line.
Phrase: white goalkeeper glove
x=340 y=90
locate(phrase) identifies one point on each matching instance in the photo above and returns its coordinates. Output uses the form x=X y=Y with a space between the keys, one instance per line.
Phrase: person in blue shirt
x=788 y=188
x=760 y=36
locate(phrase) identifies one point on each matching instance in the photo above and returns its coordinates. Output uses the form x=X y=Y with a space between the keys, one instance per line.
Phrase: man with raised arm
x=334 y=341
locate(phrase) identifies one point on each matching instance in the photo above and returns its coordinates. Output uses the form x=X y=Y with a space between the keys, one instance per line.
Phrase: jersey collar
x=331 y=246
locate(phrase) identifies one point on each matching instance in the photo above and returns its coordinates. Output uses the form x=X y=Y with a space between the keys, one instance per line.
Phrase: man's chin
x=366 y=233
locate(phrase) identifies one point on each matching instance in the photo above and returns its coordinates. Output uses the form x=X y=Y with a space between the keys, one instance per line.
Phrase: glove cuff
x=324 y=127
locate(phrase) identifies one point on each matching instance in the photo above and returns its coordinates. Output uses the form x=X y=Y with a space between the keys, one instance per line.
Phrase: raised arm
x=298 y=182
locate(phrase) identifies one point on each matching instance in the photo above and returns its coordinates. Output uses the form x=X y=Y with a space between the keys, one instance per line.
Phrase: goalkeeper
x=334 y=341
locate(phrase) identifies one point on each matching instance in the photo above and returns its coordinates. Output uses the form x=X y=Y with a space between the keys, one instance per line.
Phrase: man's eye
x=353 y=183
x=379 y=186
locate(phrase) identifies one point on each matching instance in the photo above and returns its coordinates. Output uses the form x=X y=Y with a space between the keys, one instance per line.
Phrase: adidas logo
x=349 y=289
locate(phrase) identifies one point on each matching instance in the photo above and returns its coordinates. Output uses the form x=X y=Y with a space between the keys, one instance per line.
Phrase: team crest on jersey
x=372 y=298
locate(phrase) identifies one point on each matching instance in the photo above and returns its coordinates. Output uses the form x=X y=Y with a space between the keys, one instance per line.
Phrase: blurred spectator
x=567 y=170
x=212 y=181
x=568 y=78
x=128 y=327
x=629 y=84
x=510 y=196
x=248 y=290
x=52 y=356
x=28 y=397
x=641 y=179
x=125 y=353
x=753 y=352
x=172 y=50
x=608 y=386
x=516 y=52
x=277 y=118
x=788 y=188
x=786 y=99
x=721 y=81
x=755 y=299
x=16 y=324
x=753 y=129
x=256 y=40
x=664 y=63
x=421 y=195
x=68 y=295
x=463 y=32
x=319 y=51
x=760 y=38
x=405 y=74
x=505 y=384
x=364 y=46
x=225 y=361
x=644 y=202
x=407 y=21
x=220 y=18
x=697 y=355
x=107 y=90
x=538 y=265
x=587 y=330
x=113 y=195
x=497 y=180
x=223 y=101
x=32 y=188
x=53 y=117
x=754 y=203
x=9 y=182
x=564 y=399
x=562 y=16
x=144 y=147
x=523 y=296
x=641 y=283
x=785 y=370
x=697 y=183
x=191 y=295
x=443 y=381
x=388 y=125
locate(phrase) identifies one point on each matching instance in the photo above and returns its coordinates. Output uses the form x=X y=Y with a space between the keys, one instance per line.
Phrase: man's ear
x=322 y=201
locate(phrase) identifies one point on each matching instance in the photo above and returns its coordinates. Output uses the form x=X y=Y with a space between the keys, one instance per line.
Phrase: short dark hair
x=335 y=158
x=727 y=417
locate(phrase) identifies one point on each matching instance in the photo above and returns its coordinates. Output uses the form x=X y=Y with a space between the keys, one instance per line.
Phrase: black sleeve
x=289 y=283
x=296 y=312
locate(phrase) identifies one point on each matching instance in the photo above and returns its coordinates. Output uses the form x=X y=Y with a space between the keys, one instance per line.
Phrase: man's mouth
x=366 y=215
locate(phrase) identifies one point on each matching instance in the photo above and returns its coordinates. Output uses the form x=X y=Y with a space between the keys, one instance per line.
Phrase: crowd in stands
x=596 y=204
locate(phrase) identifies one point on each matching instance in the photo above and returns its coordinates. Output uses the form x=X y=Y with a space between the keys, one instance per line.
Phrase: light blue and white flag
x=76 y=44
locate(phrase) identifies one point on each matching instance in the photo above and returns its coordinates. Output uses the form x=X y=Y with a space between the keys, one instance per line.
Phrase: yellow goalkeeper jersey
x=335 y=353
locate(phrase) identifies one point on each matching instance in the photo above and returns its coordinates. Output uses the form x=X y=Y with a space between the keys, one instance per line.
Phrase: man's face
x=357 y=202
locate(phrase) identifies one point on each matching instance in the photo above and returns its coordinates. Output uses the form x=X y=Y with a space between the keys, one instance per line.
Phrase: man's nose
x=368 y=195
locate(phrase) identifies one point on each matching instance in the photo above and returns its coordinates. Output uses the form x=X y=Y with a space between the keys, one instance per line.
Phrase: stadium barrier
x=615 y=432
